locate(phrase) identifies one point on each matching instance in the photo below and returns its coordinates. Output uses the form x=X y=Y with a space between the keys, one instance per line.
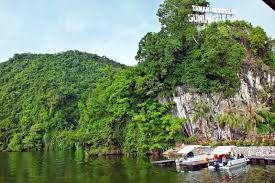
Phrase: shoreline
x=248 y=151
x=258 y=151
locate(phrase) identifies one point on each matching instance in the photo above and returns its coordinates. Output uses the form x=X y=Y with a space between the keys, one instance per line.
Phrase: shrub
x=247 y=142
x=239 y=142
x=191 y=140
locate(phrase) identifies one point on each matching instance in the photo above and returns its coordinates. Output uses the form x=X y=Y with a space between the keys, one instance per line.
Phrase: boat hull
x=182 y=161
x=230 y=164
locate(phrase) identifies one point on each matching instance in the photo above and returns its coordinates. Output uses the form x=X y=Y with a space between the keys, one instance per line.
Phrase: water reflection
x=76 y=167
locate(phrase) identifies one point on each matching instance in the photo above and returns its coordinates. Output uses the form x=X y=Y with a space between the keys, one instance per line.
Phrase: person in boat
x=190 y=155
x=224 y=157
x=242 y=156
x=231 y=155
x=220 y=159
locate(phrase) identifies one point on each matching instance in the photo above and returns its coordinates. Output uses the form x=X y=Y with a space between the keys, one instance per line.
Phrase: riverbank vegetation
x=79 y=100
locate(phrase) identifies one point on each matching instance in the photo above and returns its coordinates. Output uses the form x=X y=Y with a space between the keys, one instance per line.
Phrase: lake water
x=61 y=167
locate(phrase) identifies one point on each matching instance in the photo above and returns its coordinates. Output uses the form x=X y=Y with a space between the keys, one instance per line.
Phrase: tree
x=34 y=138
x=15 y=142
x=157 y=127
x=256 y=115
x=159 y=53
x=232 y=118
x=173 y=15
x=258 y=40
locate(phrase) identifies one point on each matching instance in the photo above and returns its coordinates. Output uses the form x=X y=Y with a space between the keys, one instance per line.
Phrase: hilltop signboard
x=207 y=15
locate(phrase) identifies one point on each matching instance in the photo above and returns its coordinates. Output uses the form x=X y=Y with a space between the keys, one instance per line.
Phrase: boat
x=189 y=155
x=226 y=157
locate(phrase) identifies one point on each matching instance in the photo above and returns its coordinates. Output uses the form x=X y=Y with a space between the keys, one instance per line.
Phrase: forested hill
x=42 y=93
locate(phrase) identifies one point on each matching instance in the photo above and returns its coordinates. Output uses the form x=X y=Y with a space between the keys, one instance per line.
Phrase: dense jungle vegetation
x=80 y=100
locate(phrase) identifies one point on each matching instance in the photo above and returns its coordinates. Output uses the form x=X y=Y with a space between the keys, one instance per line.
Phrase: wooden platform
x=197 y=165
x=254 y=160
x=164 y=163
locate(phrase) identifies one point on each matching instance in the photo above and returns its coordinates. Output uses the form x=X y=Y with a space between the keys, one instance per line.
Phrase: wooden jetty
x=195 y=165
x=165 y=162
x=256 y=160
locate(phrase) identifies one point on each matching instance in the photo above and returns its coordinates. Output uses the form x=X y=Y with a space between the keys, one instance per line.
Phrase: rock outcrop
x=256 y=89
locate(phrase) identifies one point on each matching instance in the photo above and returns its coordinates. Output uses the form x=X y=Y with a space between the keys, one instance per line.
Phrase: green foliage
x=108 y=110
x=159 y=129
x=156 y=56
x=268 y=126
x=208 y=59
x=159 y=53
x=258 y=40
x=252 y=119
x=202 y=111
x=214 y=65
x=15 y=143
x=120 y=116
x=173 y=15
x=257 y=142
x=33 y=140
x=40 y=95
x=191 y=140
x=262 y=46
x=216 y=143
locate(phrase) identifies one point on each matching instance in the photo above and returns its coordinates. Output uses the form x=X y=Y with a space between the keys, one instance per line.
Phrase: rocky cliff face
x=256 y=89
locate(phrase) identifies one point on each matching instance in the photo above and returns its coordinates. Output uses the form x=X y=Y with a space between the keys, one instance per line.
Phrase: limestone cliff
x=202 y=111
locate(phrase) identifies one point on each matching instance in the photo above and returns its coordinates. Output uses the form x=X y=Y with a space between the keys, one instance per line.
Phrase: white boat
x=189 y=155
x=225 y=160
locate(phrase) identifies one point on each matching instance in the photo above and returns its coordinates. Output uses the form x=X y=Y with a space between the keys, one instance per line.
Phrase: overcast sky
x=112 y=28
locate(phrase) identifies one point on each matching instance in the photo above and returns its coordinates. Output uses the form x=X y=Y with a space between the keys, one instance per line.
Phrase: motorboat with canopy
x=226 y=157
x=189 y=154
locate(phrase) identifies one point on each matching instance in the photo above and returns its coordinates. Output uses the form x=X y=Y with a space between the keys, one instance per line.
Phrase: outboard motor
x=216 y=161
x=216 y=165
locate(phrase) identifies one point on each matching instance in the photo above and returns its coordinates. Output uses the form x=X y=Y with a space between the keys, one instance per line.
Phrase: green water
x=74 y=167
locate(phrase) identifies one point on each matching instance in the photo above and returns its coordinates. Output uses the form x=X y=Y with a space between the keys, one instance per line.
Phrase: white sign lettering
x=206 y=15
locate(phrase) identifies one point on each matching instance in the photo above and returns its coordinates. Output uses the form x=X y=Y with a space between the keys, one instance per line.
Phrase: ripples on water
x=74 y=167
